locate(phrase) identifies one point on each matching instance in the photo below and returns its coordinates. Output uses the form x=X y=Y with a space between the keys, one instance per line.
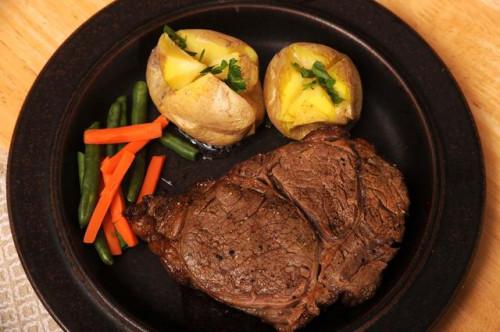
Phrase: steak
x=286 y=232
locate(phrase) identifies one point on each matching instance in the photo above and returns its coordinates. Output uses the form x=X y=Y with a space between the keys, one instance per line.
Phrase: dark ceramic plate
x=413 y=113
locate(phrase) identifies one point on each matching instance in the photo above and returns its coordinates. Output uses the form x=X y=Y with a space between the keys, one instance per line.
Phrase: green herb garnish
x=324 y=79
x=306 y=73
x=178 y=40
x=215 y=69
x=309 y=85
x=201 y=55
x=234 y=79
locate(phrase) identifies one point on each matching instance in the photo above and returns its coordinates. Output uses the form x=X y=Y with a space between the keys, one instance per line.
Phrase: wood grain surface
x=465 y=34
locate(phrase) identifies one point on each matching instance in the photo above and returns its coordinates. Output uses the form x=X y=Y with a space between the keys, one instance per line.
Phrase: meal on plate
x=282 y=234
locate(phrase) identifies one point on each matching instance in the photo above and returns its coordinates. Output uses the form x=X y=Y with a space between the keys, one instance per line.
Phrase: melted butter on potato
x=296 y=110
x=203 y=106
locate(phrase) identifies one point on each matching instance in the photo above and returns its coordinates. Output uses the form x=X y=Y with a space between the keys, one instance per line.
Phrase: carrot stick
x=106 y=197
x=138 y=132
x=120 y=223
x=163 y=121
x=106 y=176
x=152 y=176
x=122 y=226
x=133 y=147
x=117 y=206
x=110 y=235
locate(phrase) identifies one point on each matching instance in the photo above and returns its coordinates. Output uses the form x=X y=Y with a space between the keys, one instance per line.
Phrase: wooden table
x=465 y=33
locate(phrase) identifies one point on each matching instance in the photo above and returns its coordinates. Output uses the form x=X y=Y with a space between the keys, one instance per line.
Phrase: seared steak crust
x=286 y=232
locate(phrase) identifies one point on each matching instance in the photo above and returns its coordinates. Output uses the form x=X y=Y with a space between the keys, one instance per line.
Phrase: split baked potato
x=308 y=86
x=192 y=89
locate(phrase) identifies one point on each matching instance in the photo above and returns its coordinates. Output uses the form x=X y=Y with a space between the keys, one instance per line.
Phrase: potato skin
x=207 y=109
x=344 y=68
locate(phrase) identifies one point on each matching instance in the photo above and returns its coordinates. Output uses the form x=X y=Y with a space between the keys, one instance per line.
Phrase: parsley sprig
x=181 y=42
x=234 y=79
x=306 y=73
x=201 y=55
x=215 y=69
x=318 y=71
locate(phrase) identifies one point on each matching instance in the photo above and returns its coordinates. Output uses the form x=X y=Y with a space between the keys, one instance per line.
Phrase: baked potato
x=308 y=86
x=186 y=89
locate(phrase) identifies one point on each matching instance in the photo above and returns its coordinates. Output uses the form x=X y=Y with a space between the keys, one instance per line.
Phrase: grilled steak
x=286 y=232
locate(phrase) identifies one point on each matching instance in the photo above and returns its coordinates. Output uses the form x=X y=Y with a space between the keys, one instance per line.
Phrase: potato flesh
x=306 y=57
x=179 y=68
x=300 y=106
x=212 y=52
x=214 y=49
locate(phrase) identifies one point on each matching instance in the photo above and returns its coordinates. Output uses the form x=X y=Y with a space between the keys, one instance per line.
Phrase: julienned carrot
x=106 y=176
x=133 y=133
x=152 y=176
x=110 y=235
x=117 y=206
x=118 y=203
x=109 y=165
x=121 y=224
x=161 y=120
x=106 y=197
x=116 y=210
x=123 y=228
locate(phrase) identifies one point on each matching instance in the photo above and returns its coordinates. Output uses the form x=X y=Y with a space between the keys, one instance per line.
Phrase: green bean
x=123 y=115
x=80 y=156
x=139 y=103
x=100 y=243
x=137 y=176
x=123 y=122
x=138 y=115
x=123 y=107
x=179 y=146
x=102 y=249
x=113 y=121
x=123 y=244
x=90 y=185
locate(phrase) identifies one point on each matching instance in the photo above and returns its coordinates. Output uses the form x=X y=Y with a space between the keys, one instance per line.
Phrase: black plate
x=413 y=112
